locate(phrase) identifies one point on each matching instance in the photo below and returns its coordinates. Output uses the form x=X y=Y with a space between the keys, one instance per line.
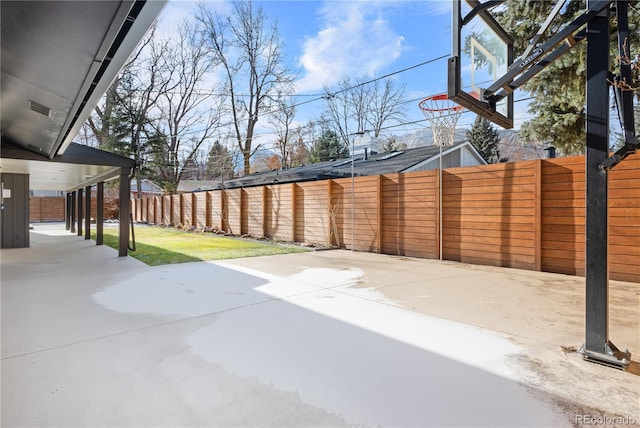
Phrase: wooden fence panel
x=312 y=215
x=145 y=209
x=489 y=215
x=233 y=204
x=138 y=209
x=563 y=215
x=165 y=210
x=216 y=209
x=278 y=214
x=365 y=213
x=200 y=212
x=186 y=199
x=624 y=220
x=151 y=213
x=176 y=210
x=254 y=205
x=46 y=208
x=409 y=214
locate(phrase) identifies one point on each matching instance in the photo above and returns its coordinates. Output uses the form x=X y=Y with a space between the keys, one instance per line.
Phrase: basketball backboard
x=481 y=53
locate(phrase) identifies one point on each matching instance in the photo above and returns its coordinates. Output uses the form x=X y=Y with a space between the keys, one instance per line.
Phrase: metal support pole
x=67 y=212
x=597 y=346
x=80 y=208
x=124 y=208
x=72 y=213
x=440 y=202
x=100 y=213
x=353 y=203
x=87 y=213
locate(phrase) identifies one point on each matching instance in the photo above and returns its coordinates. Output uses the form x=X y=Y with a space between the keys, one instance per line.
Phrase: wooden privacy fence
x=46 y=208
x=528 y=215
x=52 y=208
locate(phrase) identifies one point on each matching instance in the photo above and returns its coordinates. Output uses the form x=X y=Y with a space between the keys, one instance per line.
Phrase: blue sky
x=325 y=40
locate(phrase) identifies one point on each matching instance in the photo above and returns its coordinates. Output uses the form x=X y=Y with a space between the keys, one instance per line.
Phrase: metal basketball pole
x=597 y=347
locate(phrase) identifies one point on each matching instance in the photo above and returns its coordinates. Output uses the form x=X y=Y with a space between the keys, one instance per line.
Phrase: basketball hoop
x=443 y=115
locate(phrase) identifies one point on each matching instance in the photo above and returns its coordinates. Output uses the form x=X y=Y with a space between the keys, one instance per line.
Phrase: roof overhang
x=78 y=167
x=58 y=59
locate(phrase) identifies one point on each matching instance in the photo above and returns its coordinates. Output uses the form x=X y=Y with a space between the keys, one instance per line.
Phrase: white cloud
x=355 y=39
x=439 y=7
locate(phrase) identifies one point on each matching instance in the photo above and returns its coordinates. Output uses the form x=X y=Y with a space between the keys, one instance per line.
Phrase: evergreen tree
x=327 y=147
x=120 y=138
x=484 y=137
x=558 y=107
x=219 y=164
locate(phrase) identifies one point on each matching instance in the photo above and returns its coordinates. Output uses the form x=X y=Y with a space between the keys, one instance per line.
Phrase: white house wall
x=463 y=155
x=469 y=157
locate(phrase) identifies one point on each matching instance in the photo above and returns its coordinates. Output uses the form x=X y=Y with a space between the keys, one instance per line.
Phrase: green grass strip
x=160 y=246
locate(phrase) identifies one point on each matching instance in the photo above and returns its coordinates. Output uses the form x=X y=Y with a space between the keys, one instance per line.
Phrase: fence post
x=264 y=211
x=170 y=209
x=223 y=226
x=194 y=210
x=241 y=213
x=293 y=212
x=207 y=211
x=537 y=173
x=379 y=213
x=331 y=221
x=181 y=199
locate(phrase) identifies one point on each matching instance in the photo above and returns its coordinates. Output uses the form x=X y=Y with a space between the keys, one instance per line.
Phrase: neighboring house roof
x=380 y=163
x=196 y=185
x=147 y=186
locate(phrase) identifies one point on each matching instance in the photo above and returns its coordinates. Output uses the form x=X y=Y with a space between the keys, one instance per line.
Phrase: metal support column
x=597 y=347
x=87 y=213
x=124 y=205
x=67 y=212
x=100 y=213
x=73 y=212
x=80 y=210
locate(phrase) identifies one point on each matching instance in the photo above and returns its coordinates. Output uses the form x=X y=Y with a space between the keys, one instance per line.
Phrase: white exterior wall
x=462 y=156
x=469 y=158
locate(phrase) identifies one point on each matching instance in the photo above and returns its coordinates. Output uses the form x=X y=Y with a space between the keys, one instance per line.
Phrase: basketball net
x=443 y=114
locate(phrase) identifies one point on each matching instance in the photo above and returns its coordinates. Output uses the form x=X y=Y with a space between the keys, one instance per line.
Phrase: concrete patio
x=328 y=338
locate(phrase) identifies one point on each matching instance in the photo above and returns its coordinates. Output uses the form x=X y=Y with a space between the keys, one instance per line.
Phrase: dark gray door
x=14 y=214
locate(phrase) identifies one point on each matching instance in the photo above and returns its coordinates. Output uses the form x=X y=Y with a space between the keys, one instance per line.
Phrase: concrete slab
x=314 y=339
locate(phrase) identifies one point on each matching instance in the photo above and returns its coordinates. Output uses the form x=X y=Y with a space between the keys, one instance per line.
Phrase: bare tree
x=339 y=111
x=281 y=120
x=299 y=152
x=188 y=116
x=386 y=104
x=358 y=104
x=249 y=51
x=106 y=116
x=391 y=144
